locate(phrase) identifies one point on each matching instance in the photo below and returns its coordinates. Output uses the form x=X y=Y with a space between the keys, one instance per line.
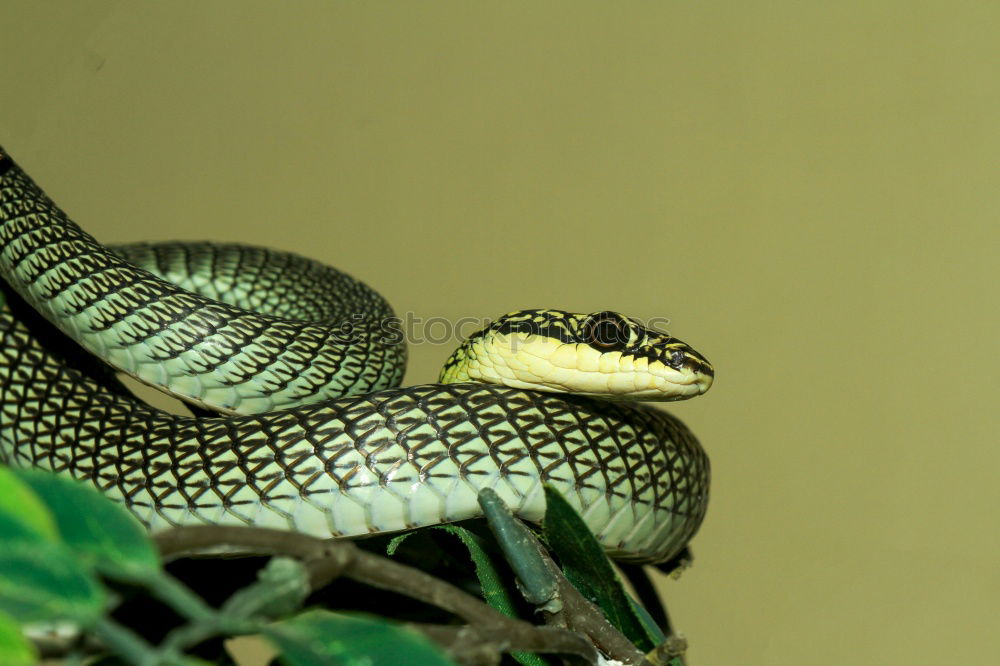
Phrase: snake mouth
x=698 y=385
x=667 y=384
x=650 y=383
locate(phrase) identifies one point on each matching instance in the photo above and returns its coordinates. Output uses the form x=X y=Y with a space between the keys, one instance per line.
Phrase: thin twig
x=581 y=615
x=177 y=595
x=201 y=539
x=668 y=653
x=543 y=584
x=474 y=645
x=326 y=559
x=127 y=644
x=386 y=574
x=588 y=619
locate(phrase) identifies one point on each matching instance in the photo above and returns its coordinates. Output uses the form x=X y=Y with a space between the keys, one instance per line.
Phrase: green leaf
x=23 y=516
x=648 y=623
x=43 y=581
x=100 y=531
x=397 y=541
x=589 y=569
x=15 y=649
x=491 y=583
x=495 y=592
x=322 y=638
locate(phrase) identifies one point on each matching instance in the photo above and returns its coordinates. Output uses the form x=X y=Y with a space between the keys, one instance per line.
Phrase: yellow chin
x=618 y=385
x=548 y=365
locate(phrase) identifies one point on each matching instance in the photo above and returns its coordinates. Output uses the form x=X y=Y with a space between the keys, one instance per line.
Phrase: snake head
x=603 y=354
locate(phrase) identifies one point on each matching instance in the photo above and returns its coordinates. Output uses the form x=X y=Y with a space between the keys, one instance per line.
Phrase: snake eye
x=606 y=330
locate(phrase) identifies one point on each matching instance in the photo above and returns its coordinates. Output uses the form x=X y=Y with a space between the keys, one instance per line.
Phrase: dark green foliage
x=68 y=553
x=589 y=569
x=14 y=648
x=42 y=581
x=98 y=531
x=321 y=637
x=495 y=581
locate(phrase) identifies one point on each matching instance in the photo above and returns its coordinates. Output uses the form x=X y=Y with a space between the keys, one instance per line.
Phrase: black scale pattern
x=161 y=330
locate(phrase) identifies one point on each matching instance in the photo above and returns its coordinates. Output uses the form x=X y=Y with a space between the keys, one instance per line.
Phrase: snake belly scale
x=315 y=435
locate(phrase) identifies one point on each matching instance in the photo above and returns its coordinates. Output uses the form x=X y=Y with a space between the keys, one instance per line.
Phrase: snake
x=292 y=370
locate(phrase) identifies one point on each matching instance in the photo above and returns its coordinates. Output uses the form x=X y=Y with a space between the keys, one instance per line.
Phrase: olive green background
x=808 y=191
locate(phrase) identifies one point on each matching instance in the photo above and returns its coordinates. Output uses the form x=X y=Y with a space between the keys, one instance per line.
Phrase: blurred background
x=808 y=191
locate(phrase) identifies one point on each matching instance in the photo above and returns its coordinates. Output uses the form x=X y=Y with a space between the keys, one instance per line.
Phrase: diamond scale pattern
x=116 y=303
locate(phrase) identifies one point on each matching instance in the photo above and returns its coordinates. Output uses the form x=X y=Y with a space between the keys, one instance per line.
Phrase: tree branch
x=583 y=616
x=326 y=560
x=476 y=646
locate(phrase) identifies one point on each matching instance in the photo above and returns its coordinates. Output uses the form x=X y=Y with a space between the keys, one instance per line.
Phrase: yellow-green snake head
x=604 y=354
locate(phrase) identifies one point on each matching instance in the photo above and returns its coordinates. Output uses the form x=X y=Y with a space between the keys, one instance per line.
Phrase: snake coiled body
x=320 y=439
